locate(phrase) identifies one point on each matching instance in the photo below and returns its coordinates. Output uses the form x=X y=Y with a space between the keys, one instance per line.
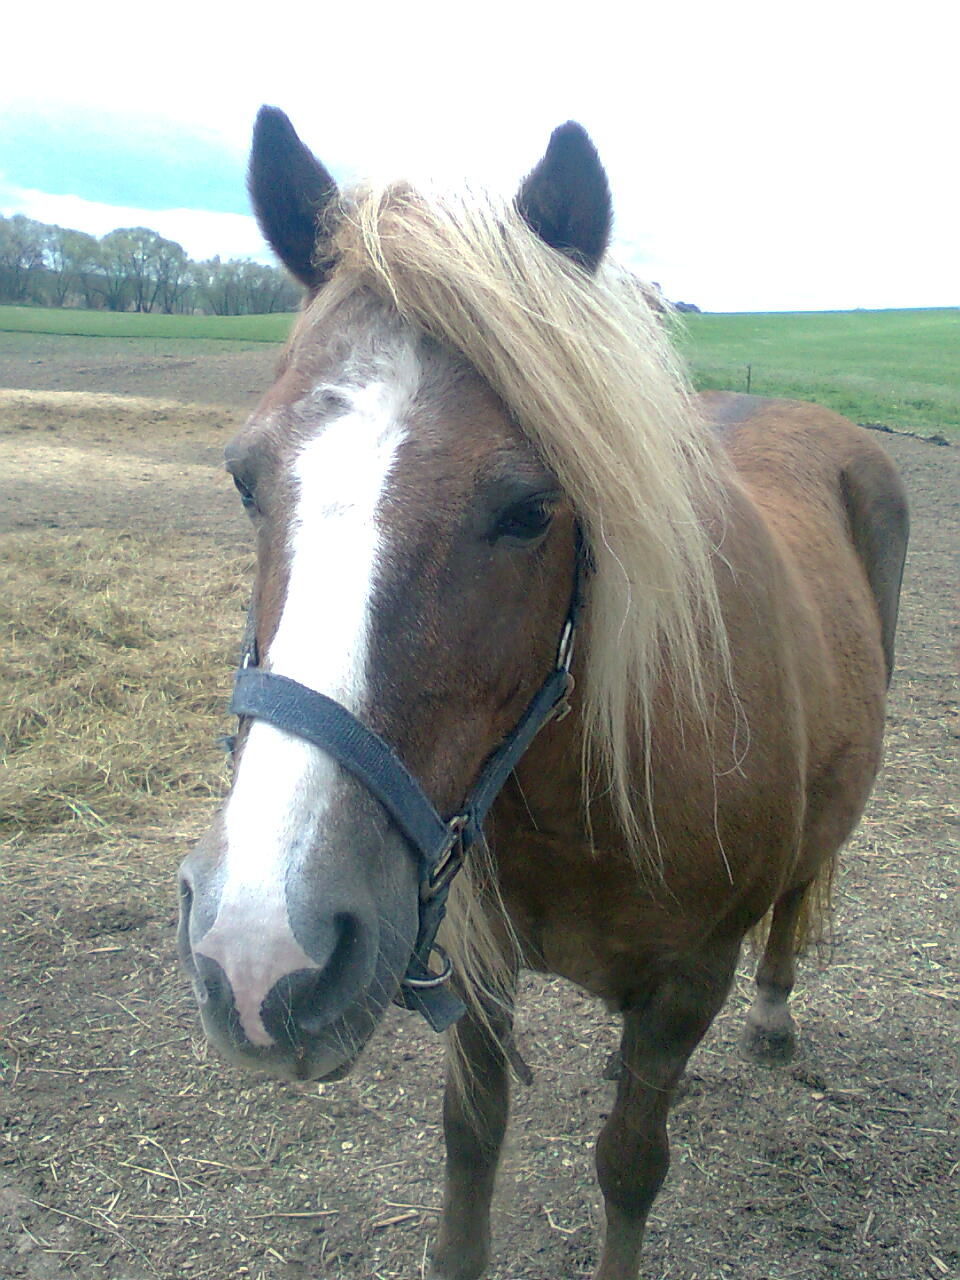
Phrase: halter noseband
x=441 y=844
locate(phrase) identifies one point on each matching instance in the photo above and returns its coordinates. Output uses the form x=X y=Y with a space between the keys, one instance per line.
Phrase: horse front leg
x=476 y=1105
x=633 y=1152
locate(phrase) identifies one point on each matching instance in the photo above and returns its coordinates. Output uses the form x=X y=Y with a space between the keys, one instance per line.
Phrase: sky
x=762 y=156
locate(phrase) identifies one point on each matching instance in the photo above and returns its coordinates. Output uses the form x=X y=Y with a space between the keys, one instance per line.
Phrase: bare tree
x=170 y=273
x=21 y=256
x=131 y=268
x=85 y=265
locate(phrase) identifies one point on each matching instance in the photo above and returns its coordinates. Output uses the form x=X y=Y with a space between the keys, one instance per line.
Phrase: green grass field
x=900 y=368
x=122 y=324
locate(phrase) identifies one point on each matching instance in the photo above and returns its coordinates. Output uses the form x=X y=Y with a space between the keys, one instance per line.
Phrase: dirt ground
x=129 y=1152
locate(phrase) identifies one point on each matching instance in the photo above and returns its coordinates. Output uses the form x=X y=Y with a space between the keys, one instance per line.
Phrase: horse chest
x=587 y=917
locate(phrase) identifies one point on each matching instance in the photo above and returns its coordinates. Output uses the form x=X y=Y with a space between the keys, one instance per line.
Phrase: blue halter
x=441 y=844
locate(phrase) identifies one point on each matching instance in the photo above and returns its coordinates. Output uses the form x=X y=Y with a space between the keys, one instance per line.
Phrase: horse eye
x=246 y=495
x=525 y=521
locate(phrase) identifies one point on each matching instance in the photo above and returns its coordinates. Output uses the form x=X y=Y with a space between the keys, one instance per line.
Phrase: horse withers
x=478 y=447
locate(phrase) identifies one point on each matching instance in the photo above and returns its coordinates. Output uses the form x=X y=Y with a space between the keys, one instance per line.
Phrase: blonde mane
x=585 y=367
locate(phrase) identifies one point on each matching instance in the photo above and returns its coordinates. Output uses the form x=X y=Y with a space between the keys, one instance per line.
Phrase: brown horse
x=479 y=441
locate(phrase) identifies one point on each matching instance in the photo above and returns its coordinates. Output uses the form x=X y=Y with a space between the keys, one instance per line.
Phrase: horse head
x=415 y=554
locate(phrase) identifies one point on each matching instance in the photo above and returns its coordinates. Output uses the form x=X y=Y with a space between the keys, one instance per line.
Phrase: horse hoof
x=466 y=1262
x=442 y=1273
x=761 y=1044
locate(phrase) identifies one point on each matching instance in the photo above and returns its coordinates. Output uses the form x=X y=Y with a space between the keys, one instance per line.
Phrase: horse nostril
x=210 y=984
x=346 y=951
x=211 y=987
x=186 y=897
x=308 y=1000
x=302 y=997
x=183 y=926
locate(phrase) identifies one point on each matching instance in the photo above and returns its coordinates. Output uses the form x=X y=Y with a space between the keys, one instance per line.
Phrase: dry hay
x=118 y=639
x=114 y=675
x=93 y=412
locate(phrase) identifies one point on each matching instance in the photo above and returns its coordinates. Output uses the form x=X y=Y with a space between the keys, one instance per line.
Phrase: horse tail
x=816 y=910
x=879 y=524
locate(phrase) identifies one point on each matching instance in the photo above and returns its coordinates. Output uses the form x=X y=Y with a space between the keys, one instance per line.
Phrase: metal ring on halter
x=435 y=979
x=565 y=648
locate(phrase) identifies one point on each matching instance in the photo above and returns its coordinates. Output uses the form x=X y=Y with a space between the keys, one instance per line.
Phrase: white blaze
x=283 y=784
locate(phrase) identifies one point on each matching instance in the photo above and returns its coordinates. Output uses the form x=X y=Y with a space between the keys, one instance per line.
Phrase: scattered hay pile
x=113 y=674
x=118 y=639
x=101 y=416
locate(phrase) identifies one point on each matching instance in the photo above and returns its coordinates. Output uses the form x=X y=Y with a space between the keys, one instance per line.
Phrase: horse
x=545 y=653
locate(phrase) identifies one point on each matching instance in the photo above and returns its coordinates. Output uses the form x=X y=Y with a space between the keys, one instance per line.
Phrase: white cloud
x=765 y=156
x=203 y=235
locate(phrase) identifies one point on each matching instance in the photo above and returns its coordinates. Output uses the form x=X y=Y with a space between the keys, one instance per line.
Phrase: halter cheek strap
x=441 y=844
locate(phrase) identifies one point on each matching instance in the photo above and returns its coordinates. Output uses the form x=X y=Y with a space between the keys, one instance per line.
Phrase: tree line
x=131 y=269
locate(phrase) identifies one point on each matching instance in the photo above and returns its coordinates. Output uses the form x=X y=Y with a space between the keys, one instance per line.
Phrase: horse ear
x=566 y=199
x=289 y=188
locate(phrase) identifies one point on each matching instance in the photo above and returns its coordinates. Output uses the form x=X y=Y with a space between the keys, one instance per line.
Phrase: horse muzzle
x=294 y=991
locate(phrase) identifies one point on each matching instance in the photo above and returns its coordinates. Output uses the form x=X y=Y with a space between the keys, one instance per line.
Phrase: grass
x=899 y=368
x=112 y=324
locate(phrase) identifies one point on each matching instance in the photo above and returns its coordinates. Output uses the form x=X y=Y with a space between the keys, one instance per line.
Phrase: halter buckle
x=563 y=706
x=565 y=648
x=450 y=860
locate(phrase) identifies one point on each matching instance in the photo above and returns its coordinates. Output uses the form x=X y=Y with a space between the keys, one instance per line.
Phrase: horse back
x=785 y=451
x=832 y=507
